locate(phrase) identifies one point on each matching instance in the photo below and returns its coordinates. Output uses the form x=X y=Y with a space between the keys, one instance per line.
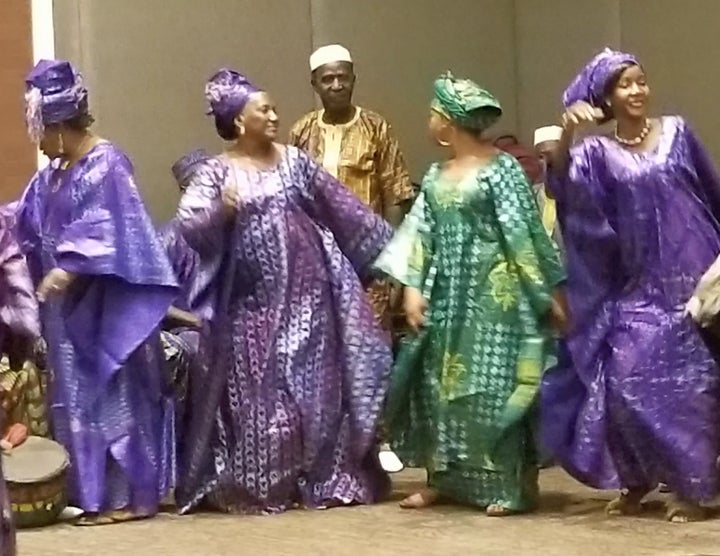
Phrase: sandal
x=93 y=520
x=628 y=503
x=684 y=512
x=422 y=499
x=109 y=518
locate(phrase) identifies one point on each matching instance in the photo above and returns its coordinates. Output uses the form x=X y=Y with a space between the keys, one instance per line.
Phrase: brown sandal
x=421 y=499
x=93 y=520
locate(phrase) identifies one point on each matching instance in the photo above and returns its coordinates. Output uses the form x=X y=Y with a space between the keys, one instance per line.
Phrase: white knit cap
x=547 y=133
x=329 y=54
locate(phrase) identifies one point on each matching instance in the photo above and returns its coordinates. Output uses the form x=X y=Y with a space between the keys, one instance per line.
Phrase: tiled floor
x=571 y=523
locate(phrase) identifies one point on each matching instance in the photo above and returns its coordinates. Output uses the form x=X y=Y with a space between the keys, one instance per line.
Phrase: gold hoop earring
x=443 y=143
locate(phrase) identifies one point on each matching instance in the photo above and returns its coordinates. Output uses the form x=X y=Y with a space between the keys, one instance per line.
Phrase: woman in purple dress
x=286 y=409
x=637 y=401
x=19 y=329
x=105 y=284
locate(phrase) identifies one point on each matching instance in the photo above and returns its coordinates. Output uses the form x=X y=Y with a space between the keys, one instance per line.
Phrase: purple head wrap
x=54 y=93
x=589 y=85
x=186 y=166
x=227 y=93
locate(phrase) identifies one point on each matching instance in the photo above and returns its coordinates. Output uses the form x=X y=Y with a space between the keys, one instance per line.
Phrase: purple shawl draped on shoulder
x=636 y=398
x=19 y=316
x=109 y=395
x=287 y=405
x=195 y=273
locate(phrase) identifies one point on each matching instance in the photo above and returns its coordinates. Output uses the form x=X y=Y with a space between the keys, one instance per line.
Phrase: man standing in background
x=357 y=147
x=546 y=140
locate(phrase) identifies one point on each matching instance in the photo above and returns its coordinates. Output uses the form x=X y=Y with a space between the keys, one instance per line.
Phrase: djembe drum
x=35 y=473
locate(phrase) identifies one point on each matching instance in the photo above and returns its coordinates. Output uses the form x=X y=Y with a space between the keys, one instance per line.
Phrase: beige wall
x=146 y=65
x=146 y=61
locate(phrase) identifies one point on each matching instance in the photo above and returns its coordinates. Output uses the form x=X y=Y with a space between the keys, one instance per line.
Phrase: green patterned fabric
x=465 y=102
x=464 y=389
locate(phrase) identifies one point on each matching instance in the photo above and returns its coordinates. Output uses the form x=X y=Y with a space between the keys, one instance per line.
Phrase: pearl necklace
x=635 y=141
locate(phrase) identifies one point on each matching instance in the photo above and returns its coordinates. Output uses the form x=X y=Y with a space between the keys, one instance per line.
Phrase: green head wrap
x=466 y=103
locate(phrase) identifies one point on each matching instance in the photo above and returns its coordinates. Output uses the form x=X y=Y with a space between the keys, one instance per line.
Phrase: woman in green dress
x=481 y=283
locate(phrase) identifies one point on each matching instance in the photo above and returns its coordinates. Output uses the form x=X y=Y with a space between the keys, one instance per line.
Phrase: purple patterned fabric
x=589 y=84
x=636 y=399
x=19 y=317
x=195 y=273
x=54 y=93
x=286 y=408
x=185 y=166
x=111 y=406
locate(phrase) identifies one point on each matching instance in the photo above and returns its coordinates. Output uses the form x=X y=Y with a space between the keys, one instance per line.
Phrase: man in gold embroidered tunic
x=356 y=146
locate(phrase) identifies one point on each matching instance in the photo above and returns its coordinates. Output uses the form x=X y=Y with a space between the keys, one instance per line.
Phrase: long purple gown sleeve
x=707 y=178
x=359 y=232
x=184 y=260
x=18 y=305
x=585 y=215
x=201 y=219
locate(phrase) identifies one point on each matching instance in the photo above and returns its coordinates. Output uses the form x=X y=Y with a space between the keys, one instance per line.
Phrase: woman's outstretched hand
x=580 y=113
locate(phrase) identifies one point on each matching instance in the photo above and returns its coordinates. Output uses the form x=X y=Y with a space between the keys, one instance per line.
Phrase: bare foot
x=422 y=499
x=679 y=511
x=498 y=510
x=628 y=503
